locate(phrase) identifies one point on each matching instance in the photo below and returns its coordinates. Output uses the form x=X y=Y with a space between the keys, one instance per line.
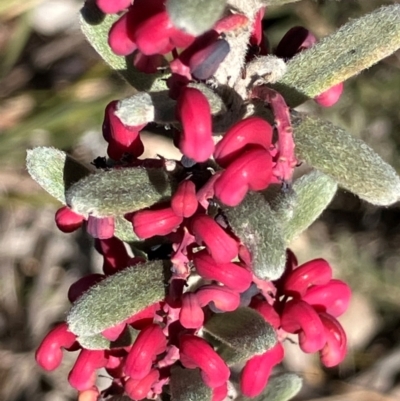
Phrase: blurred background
x=53 y=90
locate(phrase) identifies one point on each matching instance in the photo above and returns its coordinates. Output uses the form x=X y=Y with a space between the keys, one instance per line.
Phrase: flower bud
x=195 y=352
x=330 y=96
x=295 y=40
x=300 y=318
x=82 y=285
x=148 y=223
x=68 y=221
x=250 y=131
x=118 y=37
x=150 y=342
x=49 y=354
x=222 y=247
x=230 y=274
x=193 y=110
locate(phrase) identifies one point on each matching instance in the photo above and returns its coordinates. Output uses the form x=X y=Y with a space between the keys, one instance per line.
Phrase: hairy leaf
x=188 y=385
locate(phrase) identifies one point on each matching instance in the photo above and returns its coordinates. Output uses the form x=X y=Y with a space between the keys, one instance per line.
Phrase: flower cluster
x=212 y=267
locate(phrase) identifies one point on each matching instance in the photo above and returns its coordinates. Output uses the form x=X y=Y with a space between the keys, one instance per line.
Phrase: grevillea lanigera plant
x=199 y=288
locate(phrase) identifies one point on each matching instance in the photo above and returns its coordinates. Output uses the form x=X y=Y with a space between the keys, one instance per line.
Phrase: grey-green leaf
x=281 y=387
x=313 y=193
x=255 y=223
x=357 y=45
x=187 y=385
x=119 y=191
x=54 y=170
x=95 y=25
x=348 y=160
x=116 y=298
x=244 y=332
x=195 y=16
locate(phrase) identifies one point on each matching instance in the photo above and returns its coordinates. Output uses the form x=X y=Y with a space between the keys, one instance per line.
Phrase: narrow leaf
x=348 y=160
x=243 y=331
x=195 y=16
x=116 y=298
x=280 y=387
x=356 y=46
x=95 y=26
x=187 y=385
x=54 y=170
x=254 y=222
x=118 y=191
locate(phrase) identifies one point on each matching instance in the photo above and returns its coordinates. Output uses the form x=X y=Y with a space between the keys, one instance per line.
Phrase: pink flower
x=148 y=223
x=138 y=389
x=83 y=374
x=113 y=6
x=194 y=113
x=255 y=374
x=49 y=354
x=250 y=171
x=184 y=201
x=68 y=221
x=230 y=274
x=250 y=131
x=222 y=247
x=333 y=297
x=150 y=342
x=231 y=22
x=314 y=272
x=148 y=64
x=220 y=393
x=267 y=311
x=300 y=318
x=335 y=348
x=197 y=353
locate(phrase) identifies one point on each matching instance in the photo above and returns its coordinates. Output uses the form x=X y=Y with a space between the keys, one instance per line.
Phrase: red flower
x=113 y=6
x=222 y=298
x=184 y=201
x=335 y=348
x=300 y=318
x=150 y=342
x=230 y=274
x=255 y=374
x=100 y=227
x=191 y=315
x=194 y=113
x=222 y=247
x=68 y=221
x=148 y=223
x=250 y=131
x=330 y=96
x=314 y=272
x=197 y=353
x=138 y=389
x=49 y=354
x=118 y=37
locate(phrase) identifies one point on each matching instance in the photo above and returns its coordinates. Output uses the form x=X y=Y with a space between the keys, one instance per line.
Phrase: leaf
x=116 y=298
x=54 y=170
x=187 y=385
x=95 y=26
x=348 y=160
x=118 y=191
x=309 y=197
x=195 y=16
x=123 y=230
x=281 y=387
x=356 y=46
x=254 y=222
x=243 y=331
